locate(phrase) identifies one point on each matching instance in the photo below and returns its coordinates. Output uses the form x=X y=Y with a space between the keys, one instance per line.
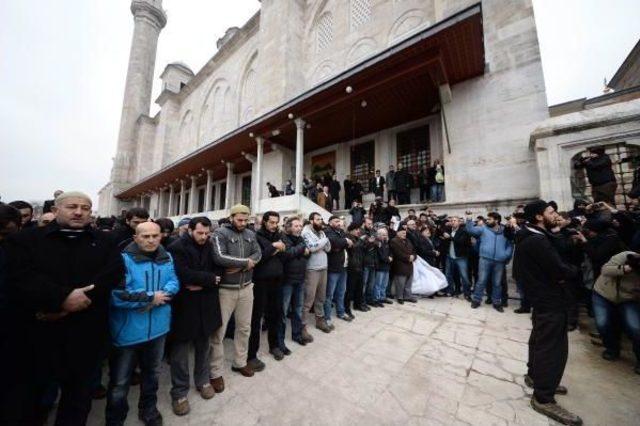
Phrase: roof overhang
x=398 y=85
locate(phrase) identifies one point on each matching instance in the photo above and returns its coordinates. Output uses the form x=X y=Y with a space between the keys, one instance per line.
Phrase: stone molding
x=142 y=9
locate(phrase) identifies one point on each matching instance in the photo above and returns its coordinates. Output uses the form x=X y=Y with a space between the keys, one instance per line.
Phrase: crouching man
x=139 y=320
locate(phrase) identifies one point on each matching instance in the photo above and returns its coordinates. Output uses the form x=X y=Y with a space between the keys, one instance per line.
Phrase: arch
x=361 y=49
x=323 y=71
x=186 y=132
x=211 y=119
x=405 y=24
x=247 y=95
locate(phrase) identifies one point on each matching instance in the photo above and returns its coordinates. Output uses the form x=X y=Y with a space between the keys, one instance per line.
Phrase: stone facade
x=290 y=46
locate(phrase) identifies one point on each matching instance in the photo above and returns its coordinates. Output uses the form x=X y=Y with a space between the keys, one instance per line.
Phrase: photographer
x=616 y=297
x=378 y=212
x=600 y=174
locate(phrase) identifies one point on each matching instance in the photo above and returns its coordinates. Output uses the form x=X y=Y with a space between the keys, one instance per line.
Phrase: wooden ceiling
x=399 y=85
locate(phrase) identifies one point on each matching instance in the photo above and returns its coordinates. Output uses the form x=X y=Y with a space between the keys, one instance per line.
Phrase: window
x=201 y=196
x=413 y=149
x=223 y=195
x=324 y=31
x=246 y=191
x=363 y=163
x=360 y=13
x=580 y=186
x=186 y=201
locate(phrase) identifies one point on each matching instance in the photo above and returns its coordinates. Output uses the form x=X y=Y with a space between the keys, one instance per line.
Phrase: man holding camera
x=541 y=270
x=600 y=174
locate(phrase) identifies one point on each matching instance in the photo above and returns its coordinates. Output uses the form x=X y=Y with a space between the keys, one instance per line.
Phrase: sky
x=63 y=65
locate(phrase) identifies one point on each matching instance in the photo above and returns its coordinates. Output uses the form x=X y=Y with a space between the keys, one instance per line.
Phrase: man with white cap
x=61 y=277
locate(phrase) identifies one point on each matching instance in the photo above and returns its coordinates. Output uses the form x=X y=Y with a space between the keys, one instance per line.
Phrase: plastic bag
x=427 y=280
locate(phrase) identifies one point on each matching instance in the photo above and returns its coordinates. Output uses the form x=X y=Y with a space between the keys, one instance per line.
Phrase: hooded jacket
x=232 y=250
x=541 y=270
x=133 y=318
x=616 y=285
x=319 y=245
x=493 y=244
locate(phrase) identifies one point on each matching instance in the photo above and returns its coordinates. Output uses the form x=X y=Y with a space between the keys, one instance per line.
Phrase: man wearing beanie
x=236 y=249
x=539 y=267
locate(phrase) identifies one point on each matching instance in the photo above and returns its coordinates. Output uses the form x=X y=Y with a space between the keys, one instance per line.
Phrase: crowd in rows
x=77 y=291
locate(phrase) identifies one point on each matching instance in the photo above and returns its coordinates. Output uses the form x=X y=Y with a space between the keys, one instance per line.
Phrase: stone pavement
x=437 y=362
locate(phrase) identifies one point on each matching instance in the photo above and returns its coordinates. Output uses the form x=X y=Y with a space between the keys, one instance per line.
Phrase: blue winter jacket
x=132 y=317
x=493 y=244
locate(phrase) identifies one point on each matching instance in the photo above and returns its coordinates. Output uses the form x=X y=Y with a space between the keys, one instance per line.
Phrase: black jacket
x=334 y=189
x=384 y=252
x=293 y=259
x=461 y=243
x=404 y=181
x=599 y=170
x=602 y=247
x=426 y=250
x=194 y=314
x=270 y=265
x=122 y=236
x=539 y=267
x=370 y=252
x=355 y=260
x=44 y=266
x=357 y=214
x=336 y=257
x=375 y=188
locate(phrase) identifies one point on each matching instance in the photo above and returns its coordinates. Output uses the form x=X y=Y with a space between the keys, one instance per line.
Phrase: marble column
x=160 y=211
x=183 y=193
x=193 y=195
x=299 y=154
x=259 y=161
x=171 y=208
x=207 y=191
x=228 y=201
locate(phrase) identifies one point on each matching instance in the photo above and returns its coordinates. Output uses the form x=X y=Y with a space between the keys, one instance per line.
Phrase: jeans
x=336 y=287
x=123 y=361
x=489 y=268
x=611 y=318
x=460 y=265
x=368 y=283
x=292 y=291
x=180 y=365
x=437 y=192
x=380 y=289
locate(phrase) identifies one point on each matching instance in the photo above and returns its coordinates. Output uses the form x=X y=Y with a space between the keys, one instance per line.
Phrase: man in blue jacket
x=139 y=320
x=495 y=251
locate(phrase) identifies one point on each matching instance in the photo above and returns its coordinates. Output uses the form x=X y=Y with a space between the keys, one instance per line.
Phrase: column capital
x=260 y=140
x=229 y=165
x=209 y=172
x=193 y=178
x=300 y=123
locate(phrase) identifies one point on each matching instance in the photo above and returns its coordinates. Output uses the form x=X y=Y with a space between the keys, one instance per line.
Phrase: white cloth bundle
x=427 y=280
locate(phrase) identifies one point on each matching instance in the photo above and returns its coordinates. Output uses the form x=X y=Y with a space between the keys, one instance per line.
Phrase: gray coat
x=232 y=250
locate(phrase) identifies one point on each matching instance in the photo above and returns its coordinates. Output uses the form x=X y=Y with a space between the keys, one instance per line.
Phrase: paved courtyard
x=437 y=362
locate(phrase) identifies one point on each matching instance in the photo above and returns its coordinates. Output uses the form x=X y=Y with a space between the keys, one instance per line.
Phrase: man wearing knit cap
x=236 y=249
x=539 y=267
x=61 y=277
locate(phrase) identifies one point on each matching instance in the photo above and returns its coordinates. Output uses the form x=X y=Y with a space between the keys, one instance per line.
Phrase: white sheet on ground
x=426 y=279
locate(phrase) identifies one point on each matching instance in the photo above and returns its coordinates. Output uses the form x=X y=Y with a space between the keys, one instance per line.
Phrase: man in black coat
x=123 y=235
x=267 y=294
x=195 y=313
x=403 y=185
x=295 y=266
x=60 y=278
x=336 y=271
x=377 y=184
x=456 y=245
x=348 y=192
x=600 y=175
x=539 y=267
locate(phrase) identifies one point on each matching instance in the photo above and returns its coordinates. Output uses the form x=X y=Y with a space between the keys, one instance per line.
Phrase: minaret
x=149 y=19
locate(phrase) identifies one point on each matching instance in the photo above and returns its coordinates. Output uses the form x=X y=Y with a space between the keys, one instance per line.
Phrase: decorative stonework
x=405 y=24
x=152 y=12
x=360 y=13
x=324 y=31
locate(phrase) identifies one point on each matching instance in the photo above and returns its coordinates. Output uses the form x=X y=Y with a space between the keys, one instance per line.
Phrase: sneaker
x=610 y=355
x=350 y=315
x=360 y=308
x=560 y=390
x=556 y=412
x=488 y=301
x=322 y=325
x=285 y=350
x=277 y=354
x=345 y=317
x=400 y=301
x=330 y=325
x=300 y=341
x=207 y=391
x=388 y=301
x=367 y=308
x=474 y=304
x=180 y=406
x=246 y=371
x=218 y=384
x=308 y=338
x=256 y=365
x=498 y=308
x=522 y=310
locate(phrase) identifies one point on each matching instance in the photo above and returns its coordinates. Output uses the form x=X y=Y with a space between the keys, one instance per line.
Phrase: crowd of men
x=79 y=293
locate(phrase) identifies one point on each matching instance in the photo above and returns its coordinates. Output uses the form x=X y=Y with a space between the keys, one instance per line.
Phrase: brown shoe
x=305 y=335
x=560 y=390
x=556 y=412
x=246 y=371
x=218 y=384
x=180 y=406
x=207 y=391
x=321 y=324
